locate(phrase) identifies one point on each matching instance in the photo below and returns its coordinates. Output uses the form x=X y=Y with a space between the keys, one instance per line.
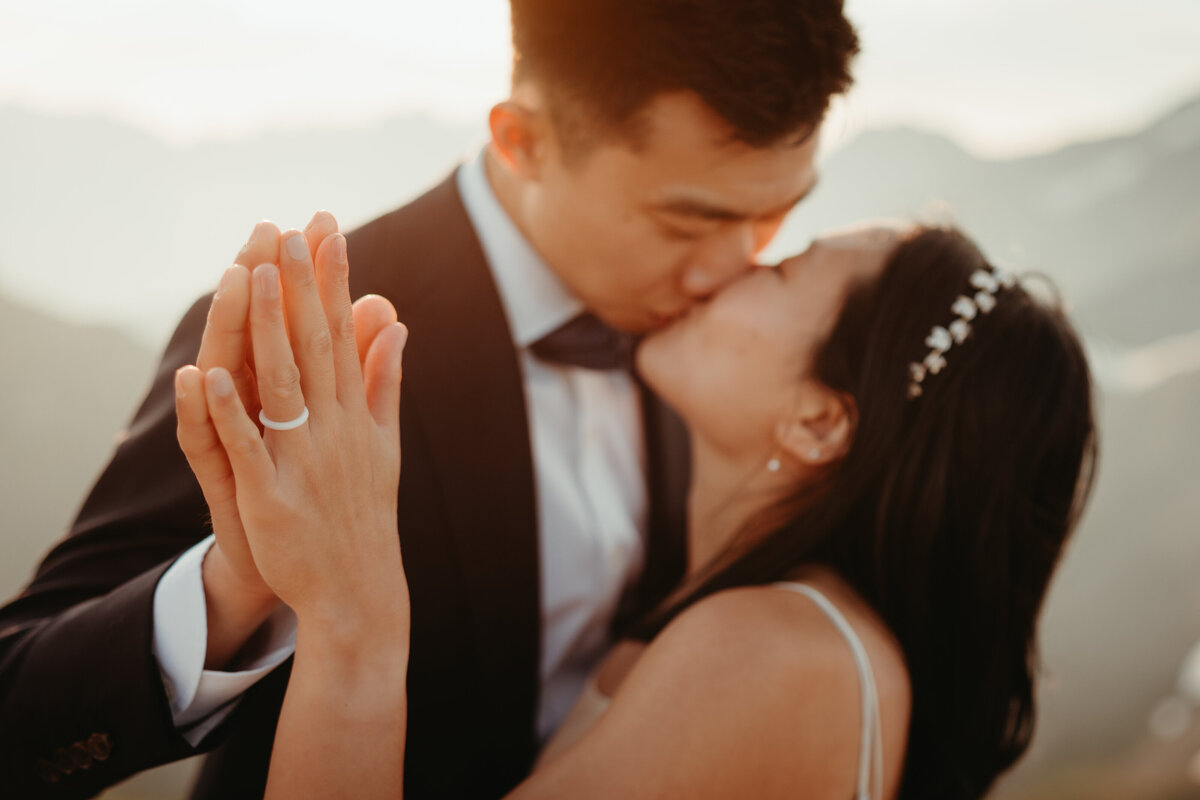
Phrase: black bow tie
x=586 y=342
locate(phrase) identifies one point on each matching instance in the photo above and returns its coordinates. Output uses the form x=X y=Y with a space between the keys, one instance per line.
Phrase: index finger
x=224 y=342
x=262 y=247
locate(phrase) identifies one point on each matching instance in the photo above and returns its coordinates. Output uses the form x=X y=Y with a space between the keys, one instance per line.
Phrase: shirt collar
x=535 y=300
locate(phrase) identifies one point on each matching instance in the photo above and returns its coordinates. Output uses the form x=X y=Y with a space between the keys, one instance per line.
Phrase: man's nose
x=719 y=260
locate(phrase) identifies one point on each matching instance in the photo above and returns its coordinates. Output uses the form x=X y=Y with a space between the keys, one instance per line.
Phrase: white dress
x=593 y=703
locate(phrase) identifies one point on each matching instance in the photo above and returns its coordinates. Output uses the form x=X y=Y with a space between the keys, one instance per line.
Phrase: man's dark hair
x=768 y=67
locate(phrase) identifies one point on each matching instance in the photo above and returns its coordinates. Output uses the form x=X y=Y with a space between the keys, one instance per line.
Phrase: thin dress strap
x=871 y=739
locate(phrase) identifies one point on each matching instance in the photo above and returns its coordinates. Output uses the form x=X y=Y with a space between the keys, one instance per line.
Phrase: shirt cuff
x=201 y=699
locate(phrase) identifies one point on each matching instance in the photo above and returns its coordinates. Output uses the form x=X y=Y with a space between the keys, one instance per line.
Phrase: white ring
x=291 y=424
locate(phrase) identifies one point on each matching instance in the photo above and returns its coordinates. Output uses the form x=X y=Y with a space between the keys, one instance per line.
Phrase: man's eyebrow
x=692 y=207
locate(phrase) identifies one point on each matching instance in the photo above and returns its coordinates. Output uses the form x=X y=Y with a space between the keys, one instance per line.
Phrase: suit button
x=99 y=746
x=63 y=762
x=48 y=772
x=80 y=756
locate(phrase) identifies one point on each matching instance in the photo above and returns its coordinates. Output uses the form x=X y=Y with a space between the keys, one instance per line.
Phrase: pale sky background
x=1003 y=77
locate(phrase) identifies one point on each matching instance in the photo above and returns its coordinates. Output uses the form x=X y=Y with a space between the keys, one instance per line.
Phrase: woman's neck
x=727 y=492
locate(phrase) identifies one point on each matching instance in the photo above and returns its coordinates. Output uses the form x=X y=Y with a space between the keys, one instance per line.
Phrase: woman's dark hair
x=768 y=67
x=950 y=511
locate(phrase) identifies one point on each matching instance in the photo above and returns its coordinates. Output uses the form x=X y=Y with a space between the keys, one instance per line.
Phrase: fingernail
x=403 y=335
x=256 y=232
x=179 y=391
x=267 y=279
x=297 y=248
x=317 y=217
x=339 y=247
x=221 y=382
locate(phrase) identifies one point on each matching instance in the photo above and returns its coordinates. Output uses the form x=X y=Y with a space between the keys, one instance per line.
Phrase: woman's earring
x=815 y=453
x=773 y=465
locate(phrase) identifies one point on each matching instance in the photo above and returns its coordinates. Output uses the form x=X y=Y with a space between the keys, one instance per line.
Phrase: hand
x=225 y=344
x=237 y=599
x=318 y=502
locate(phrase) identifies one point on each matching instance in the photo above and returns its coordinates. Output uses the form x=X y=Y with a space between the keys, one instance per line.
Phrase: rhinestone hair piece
x=985 y=285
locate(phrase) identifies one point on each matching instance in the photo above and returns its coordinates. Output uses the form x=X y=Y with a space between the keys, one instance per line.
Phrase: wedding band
x=291 y=424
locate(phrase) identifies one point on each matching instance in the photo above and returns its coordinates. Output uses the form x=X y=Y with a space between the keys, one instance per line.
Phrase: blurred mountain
x=100 y=222
x=1124 y=611
x=103 y=222
x=1116 y=224
x=68 y=389
x=1112 y=222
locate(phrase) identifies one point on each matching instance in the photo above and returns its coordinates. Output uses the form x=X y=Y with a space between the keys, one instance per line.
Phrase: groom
x=648 y=151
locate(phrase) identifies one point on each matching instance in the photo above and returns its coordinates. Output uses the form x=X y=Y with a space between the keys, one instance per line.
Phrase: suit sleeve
x=82 y=702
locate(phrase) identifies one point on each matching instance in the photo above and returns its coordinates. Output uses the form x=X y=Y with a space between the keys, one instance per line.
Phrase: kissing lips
x=663 y=320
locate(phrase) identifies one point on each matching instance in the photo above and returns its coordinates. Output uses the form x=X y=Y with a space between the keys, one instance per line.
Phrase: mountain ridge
x=137 y=228
x=92 y=208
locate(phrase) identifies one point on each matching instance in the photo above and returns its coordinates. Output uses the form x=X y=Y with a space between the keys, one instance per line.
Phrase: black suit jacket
x=82 y=704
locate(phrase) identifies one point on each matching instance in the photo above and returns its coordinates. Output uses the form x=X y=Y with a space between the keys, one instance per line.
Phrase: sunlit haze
x=140 y=141
x=132 y=120
x=1003 y=77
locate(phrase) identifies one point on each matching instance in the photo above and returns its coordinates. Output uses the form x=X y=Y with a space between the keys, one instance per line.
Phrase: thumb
x=382 y=371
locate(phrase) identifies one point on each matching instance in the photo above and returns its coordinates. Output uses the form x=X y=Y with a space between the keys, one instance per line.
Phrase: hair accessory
x=942 y=338
x=966 y=308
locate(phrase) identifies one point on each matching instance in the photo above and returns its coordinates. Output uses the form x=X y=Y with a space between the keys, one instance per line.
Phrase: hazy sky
x=1002 y=76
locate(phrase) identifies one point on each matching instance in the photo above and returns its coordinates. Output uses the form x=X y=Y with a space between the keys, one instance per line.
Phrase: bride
x=891 y=442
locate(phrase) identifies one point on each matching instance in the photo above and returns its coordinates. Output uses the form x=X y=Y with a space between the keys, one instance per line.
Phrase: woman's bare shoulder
x=770 y=631
x=804 y=644
x=749 y=692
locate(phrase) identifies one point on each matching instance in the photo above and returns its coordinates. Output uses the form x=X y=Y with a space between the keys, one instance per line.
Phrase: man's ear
x=520 y=137
x=821 y=427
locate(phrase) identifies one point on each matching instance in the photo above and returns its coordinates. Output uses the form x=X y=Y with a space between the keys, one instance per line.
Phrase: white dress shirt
x=588 y=448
